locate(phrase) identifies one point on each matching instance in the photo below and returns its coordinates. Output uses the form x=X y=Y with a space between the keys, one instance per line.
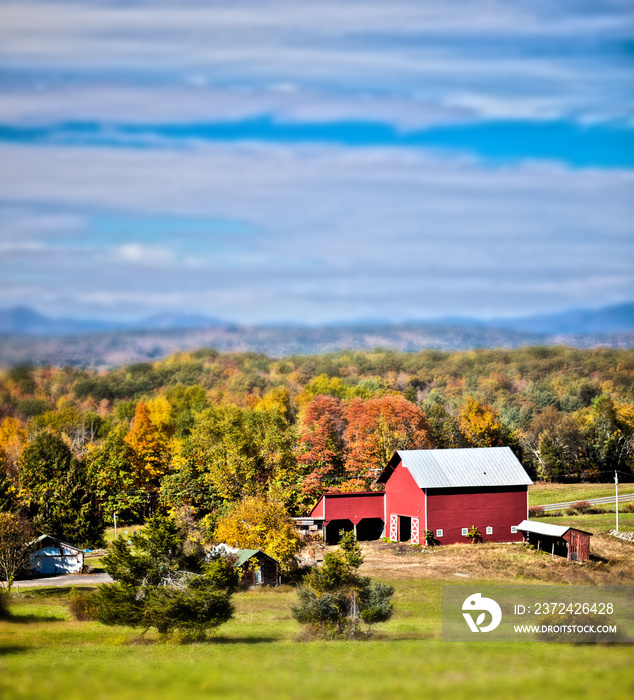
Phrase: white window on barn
x=513 y=529
x=465 y=531
x=439 y=533
x=489 y=530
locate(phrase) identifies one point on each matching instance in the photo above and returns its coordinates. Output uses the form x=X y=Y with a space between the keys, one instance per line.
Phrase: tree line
x=198 y=434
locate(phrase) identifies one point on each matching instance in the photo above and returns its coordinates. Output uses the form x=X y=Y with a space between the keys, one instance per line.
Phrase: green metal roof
x=243 y=556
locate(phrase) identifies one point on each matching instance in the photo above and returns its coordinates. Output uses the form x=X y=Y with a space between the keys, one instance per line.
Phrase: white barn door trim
x=415 y=531
x=394 y=527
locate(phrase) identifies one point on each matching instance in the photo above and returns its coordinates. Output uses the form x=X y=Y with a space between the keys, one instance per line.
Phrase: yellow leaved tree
x=150 y=441
x=259 y=523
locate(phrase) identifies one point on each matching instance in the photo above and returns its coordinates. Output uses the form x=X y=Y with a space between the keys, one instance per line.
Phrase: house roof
x=464 y=467
x=42 y=538
x=546 y=528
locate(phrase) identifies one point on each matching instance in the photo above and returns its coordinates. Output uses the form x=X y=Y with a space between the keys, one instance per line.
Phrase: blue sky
x=279 y=161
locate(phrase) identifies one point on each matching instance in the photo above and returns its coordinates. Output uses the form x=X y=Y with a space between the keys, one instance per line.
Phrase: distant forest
x=202 y=430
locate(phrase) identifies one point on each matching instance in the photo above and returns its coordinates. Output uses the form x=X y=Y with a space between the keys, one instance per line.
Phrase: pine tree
x=335 y=600
x=74 y=514
x=162 y=584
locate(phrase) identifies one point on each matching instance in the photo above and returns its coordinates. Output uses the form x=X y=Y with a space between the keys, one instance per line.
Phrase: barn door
x=394 y=527
x=415 y=535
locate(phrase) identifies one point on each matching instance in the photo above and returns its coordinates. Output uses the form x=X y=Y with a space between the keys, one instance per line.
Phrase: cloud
x=406 y=63
x=143 y=254
x=333 y=232
x=255 y=230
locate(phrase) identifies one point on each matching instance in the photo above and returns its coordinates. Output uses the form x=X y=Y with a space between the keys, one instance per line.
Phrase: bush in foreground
x=82 y=604
x=334 y=601
x=162 y=585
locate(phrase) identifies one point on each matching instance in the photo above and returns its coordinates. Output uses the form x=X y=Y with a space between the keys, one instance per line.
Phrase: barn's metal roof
x=482 y=466
x=546 y=528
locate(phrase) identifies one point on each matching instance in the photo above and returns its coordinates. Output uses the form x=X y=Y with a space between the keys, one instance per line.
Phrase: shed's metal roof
x=243 y=555
x=465 y=467
x=543 y=528
x=546 y=528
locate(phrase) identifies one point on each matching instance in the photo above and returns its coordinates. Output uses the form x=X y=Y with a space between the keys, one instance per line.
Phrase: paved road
x=64 y=580
x=596 y=501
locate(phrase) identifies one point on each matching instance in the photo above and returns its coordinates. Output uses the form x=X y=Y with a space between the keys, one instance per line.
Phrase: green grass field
x=600 y=522
x=46 y=655
x=540 y=494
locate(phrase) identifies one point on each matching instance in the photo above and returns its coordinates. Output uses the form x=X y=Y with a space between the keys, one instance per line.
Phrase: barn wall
x=268 y=569
x=48 y=564
x=353 y=506
x=403 y=496
x=498 y=507
x=318 y=510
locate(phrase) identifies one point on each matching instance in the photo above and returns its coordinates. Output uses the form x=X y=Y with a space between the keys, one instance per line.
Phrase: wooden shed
x=257 y=567
x=52 y=556
x=559 y=540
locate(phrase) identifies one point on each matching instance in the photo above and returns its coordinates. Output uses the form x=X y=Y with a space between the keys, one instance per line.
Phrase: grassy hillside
x=541 y=494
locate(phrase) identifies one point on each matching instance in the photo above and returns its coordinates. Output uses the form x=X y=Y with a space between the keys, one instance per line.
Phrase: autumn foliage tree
x=13 y=439
x=115 y=477
x=481 y=425
x=16 y=535
x=322 y=444
x=259 y=523
x=375 y=429
x=241 y=451
x=149 y=443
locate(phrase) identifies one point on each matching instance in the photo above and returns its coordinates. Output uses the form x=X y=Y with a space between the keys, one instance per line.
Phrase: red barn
x=449 y=491
x=446 y=492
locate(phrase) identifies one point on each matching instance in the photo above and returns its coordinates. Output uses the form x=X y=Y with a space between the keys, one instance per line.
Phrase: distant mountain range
x=612 y=319
x=24 y=321
x=27 y=336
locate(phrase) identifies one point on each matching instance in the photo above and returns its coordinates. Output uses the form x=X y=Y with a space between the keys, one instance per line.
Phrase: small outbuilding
x=560 y=540
x=52 y=556
x=257 y=568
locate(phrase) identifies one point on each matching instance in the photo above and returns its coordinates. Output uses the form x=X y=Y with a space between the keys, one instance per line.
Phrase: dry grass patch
x=513 y=563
